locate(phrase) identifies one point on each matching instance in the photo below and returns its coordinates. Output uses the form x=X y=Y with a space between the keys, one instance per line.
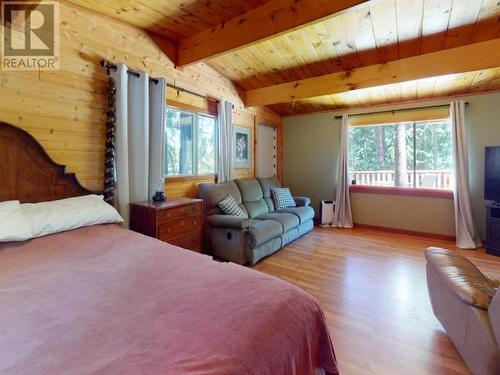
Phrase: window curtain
x=466 y=231
x=139 y=150
x=342 y=217
x=225 y=142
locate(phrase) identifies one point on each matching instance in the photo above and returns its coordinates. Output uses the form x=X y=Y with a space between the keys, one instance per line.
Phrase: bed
x=103 y=299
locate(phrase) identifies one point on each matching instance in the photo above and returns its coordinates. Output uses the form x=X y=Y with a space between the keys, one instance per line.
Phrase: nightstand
x=177 y=221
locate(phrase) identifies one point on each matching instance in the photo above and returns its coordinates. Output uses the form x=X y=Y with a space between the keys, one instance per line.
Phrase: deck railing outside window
x=412 y=154
x=429 y=179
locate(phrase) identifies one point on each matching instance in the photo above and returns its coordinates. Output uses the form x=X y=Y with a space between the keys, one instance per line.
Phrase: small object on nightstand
x=159 y=196
x=177 y=221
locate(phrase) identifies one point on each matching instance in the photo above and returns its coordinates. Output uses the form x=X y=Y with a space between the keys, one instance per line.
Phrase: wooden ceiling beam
x=168 y=47
x=269 y=20
x=463 y=59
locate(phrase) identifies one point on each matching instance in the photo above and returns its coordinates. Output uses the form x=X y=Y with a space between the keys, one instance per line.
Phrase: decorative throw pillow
x=229 y=206
x=282 y=198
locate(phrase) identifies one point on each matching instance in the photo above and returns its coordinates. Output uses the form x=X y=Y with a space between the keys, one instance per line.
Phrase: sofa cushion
x=255 y=209
x=252 y=197
x=262 y=231
x=212 y=194
x=266 y=184
x=250 y=189
x=304 y=213
x=287 y=221
x=229 y=206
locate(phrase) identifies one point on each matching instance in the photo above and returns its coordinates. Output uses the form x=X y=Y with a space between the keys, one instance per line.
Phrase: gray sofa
x=467 y=303
x=265 y=231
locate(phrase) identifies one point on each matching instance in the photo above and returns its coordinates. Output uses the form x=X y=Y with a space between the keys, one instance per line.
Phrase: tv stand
x=493 y=229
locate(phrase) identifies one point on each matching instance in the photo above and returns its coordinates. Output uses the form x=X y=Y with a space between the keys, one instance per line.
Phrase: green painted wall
x=428 y=215
x=310 y=162
x=310 y=156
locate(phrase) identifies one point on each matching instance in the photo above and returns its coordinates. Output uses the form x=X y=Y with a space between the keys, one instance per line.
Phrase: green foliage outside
x=184 y=130
x=206 y=145
x=372 y=148
x=179 y=143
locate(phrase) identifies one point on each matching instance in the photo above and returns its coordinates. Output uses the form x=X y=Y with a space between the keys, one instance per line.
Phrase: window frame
x=195 y=175
x=396 y=190
x=403 y=191
x=216 y=149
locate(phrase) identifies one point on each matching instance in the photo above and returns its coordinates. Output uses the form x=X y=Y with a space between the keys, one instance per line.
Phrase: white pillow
x=13 y=224
x=67 y=214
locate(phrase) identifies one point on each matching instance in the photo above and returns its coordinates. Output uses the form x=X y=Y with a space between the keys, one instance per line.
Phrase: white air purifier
x=326 y=213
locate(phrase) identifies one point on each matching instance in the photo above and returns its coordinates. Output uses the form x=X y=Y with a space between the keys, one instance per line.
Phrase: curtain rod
x=181 y=89
x=110 y=66
x=398 y=110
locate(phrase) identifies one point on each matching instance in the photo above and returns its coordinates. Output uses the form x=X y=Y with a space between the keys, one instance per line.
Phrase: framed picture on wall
x=242 y=147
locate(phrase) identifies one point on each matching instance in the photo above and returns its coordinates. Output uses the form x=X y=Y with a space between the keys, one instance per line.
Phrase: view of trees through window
x=189 y=143
x=206 y=144
x=410 y=154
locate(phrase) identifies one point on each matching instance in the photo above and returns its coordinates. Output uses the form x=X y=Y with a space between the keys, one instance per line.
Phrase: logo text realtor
x=30 y=35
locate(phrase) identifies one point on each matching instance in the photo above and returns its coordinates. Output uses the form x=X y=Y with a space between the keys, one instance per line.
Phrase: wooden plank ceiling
x=173 y=19
x=375 y=32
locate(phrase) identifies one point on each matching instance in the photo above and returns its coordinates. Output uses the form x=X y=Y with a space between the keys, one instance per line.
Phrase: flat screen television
x=492 y=174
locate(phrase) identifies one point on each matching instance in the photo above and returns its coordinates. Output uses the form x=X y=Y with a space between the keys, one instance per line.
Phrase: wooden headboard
x=28 y=174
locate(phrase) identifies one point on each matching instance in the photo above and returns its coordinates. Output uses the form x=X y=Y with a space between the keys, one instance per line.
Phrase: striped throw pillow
x=282 y=198
x=229 y=206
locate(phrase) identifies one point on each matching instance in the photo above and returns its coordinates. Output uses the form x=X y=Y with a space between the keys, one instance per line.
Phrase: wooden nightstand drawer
x=177 y=226
x=190 y=241
x=178 y=221
x=191 y=209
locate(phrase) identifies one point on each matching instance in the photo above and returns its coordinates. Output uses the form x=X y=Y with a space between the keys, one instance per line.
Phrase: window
x=405 y=155
x=189 y=143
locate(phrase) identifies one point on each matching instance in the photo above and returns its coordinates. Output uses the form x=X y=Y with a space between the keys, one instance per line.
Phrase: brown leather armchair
x=467 y=303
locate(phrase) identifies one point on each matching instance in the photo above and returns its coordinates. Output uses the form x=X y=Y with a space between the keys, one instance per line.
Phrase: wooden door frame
x=278 y=126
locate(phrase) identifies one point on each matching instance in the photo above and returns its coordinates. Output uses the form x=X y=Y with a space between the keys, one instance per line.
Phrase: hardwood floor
x=373 y=290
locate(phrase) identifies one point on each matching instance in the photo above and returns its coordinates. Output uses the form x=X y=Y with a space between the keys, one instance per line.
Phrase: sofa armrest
x=302 y=201
x=494 y=278
x=494 y=314
x=229 y=221
x=461 y=277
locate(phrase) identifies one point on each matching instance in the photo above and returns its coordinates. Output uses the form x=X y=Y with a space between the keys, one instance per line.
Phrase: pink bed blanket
x=107 y=300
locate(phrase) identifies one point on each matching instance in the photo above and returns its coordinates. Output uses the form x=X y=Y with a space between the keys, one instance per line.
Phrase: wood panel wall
x=65 y=109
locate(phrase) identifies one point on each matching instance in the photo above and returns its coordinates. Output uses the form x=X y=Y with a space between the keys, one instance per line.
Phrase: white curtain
x=225 y=142
x=140 y=116
x=466 y=231
x=342 y=217
x=157 y=113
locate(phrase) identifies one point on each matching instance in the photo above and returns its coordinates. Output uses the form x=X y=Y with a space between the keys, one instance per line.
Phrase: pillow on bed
x=13 y=224
x=67 y=214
